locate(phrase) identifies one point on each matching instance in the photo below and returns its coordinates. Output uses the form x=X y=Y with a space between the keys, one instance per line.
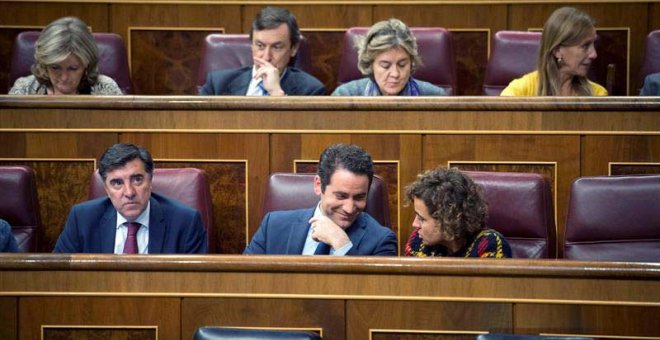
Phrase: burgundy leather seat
x=434 y=45
x=289 y=191
x=20 y=205
x=187 y=185
x=513 y=55
x=227 y=51
x=113 y=60
x=651 y=63
x=520 y=207
x=614 y=218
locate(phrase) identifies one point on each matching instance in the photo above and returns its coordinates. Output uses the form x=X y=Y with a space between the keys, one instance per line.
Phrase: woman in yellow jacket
x=565 y=55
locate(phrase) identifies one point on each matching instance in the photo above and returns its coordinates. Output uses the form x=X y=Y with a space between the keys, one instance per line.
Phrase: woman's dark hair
x=453 y=199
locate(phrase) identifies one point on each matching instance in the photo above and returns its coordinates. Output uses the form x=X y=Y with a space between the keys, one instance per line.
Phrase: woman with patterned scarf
x=387 y=57
x=450 y=218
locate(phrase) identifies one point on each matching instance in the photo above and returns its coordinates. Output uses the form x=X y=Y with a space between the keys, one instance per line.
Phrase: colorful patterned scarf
x=487 y=243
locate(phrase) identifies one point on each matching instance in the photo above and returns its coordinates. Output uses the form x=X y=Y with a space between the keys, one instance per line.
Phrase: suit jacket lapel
x=157 y=227
x=356 y=232
x=239 y=86
x=108 y=226
x=298 y=233
x=288 y=85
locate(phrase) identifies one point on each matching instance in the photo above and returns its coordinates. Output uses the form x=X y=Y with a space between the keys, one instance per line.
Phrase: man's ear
x=294 y=49
x=317 y=185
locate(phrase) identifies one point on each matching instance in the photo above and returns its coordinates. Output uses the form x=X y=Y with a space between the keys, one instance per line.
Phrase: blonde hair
x=61 y=38
x=383 y=36
x=567 y=26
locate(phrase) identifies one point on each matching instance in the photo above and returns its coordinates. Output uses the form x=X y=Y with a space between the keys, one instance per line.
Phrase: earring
x=560 y=61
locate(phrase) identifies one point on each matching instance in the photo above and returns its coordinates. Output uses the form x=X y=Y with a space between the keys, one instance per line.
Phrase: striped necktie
x=261 y=87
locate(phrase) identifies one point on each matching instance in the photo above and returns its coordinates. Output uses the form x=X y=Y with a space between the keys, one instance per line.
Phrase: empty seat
x=520 y=208
x=434 y=45
x=187 y=185
x=219 y=333
x=651 y=61
x=228 y=51
x=289 y=191
x=513 y=54
x=20 y=205
x=112 y=58
x=614 y=218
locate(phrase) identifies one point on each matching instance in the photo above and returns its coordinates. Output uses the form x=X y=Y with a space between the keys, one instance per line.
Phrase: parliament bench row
x=512 y=56
x=610 y=218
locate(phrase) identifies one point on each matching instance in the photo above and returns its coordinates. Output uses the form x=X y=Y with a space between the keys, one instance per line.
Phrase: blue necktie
x=260 y=85
x=322 y=249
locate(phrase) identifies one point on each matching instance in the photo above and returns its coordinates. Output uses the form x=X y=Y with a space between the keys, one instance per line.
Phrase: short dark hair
x=272 y=17
x=453 y=199
x=119 y=154
x=344 y=156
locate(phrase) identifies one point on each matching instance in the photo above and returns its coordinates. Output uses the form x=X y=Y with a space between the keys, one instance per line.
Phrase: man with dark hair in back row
x=131 y=219
x=337 y=224
x=275 y=38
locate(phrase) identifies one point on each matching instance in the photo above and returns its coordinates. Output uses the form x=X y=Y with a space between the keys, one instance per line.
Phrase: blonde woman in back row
x=66 y=58
x=566 y=53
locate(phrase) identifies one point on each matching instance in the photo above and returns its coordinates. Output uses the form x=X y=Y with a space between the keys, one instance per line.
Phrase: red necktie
x=131 y=246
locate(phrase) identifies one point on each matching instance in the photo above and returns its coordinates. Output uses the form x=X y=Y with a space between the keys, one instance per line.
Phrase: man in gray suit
x=275 y=41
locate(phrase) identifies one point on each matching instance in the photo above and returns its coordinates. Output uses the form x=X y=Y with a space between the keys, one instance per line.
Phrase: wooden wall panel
x=166 y=62
x=622 y=322
x=599 y=151
x=402 y=152
x=654 y=16
x=313 y=17
x=126 y=315
x=326 y=50
x=253 y=148
x=166 y=41
x=433 y=320
x=323 y=316
x=8 y=318
x=28 y=13
x=125 y=16
x=471 y=51
x=564 y=150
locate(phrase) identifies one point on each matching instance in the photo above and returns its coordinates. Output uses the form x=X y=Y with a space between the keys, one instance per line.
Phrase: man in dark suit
x=275 y=41
x=336 y=225
x=131 y=219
